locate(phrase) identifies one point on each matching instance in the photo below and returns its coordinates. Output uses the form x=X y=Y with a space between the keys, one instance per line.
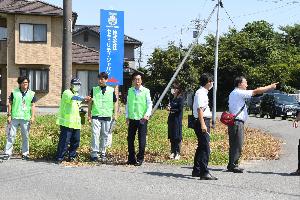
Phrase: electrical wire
x=229 y=17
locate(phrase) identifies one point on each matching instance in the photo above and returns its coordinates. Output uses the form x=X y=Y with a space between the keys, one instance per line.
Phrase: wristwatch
x=8 y=114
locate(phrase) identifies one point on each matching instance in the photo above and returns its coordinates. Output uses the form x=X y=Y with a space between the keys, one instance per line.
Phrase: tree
x=257 y=52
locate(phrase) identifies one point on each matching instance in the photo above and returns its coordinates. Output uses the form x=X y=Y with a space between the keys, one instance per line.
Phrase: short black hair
x=21 y=79
x=238 y=80
x=136 y=74
x=103 y=75
x=206 y=78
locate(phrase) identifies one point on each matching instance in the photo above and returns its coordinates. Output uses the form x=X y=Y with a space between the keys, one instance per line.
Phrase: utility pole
x=140 y=56
x=183 y=61
x=67 y=45
x=180 y=40
x=216 y=68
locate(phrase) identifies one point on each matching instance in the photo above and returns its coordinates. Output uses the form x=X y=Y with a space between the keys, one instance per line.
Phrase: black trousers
x=299 y=155
x=141 y=128
x=68 y=136
x=175 y=146
x=236 y=141
x=203 y=150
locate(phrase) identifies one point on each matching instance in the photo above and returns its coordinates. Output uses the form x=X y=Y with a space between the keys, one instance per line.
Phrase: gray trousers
x=100 y=131
x=236 y=141
x=11 y=136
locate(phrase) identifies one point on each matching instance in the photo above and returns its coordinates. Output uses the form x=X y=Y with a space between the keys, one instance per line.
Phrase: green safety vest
x=137 y=104
x=68 y=114
x=103 y=104
x=21 y=106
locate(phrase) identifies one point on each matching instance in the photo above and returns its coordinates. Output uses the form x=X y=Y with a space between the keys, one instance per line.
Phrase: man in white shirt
x=202 y=115
x=236 y=132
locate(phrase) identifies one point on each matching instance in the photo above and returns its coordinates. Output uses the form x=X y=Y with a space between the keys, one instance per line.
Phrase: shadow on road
x=164 y=174
x=210 y=169
x=271 y=173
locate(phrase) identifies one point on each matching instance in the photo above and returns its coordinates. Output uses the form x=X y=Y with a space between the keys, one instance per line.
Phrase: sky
x=157 y=22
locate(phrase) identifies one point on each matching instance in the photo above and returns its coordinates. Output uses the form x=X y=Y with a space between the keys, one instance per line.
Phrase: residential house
x=31 y=34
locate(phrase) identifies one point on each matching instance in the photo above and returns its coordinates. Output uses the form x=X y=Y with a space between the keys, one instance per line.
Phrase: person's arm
x=201 y=104
x=9 y=112
x=90 y=111
x=32 y=112
x=201 y=119
x=126 y=113
x=264 y=89
x=149 y=106
x=116 y=105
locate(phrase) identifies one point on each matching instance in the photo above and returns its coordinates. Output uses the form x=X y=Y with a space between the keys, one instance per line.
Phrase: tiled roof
x=84 y=55
x=31 y=7
x=95 y=28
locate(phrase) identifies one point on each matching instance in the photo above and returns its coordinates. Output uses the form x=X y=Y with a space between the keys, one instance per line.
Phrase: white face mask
x=172 y=91
x=212 y=85
x=76 y=88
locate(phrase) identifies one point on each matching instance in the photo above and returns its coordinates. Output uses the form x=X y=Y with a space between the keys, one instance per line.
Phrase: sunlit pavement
x=261 y=179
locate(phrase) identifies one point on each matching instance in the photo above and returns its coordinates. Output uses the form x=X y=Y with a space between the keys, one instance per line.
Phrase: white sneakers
x=172 y=155
x=175 y=157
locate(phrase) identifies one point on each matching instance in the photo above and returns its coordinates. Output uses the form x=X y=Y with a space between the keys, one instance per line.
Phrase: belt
x=205 y=118
x=238 y=120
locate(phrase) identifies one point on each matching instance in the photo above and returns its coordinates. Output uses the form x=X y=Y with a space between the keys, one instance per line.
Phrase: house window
x=89 y=79
x=86 y=37
x=3 y=33
x=33 y=33
x=39 y=79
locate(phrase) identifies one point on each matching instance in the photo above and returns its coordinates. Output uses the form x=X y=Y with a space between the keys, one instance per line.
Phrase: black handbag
x=191 y=121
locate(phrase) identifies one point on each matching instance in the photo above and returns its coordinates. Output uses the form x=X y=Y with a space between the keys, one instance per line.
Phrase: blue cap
x=75 y=81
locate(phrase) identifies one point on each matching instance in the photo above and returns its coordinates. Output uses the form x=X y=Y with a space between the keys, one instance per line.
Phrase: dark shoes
x=102 y=159
x=94 y=159
x=25 y=157
x=296 y=173
x=208 y=176
x=195 y=174
x=235 y=170
x=135 y=163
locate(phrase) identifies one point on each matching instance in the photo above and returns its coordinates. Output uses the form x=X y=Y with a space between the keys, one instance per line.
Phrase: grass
x=44 y=135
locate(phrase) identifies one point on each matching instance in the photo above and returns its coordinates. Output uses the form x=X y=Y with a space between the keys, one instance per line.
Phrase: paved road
x=262 y=179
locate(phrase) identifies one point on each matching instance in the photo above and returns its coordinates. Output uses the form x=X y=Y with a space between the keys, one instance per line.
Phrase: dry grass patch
x=44 y=139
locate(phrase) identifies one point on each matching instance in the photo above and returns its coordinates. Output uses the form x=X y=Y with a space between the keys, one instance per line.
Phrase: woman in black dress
x=175 y=121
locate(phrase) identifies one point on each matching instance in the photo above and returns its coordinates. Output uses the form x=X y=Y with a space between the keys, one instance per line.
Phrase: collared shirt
x=148 y=99
x=201 y=101
x=237 y=100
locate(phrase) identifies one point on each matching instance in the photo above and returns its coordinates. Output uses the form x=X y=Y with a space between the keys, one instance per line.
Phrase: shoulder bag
x=228 y=118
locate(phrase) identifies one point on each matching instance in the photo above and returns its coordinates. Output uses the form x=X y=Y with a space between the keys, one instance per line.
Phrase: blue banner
x=112 y=45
